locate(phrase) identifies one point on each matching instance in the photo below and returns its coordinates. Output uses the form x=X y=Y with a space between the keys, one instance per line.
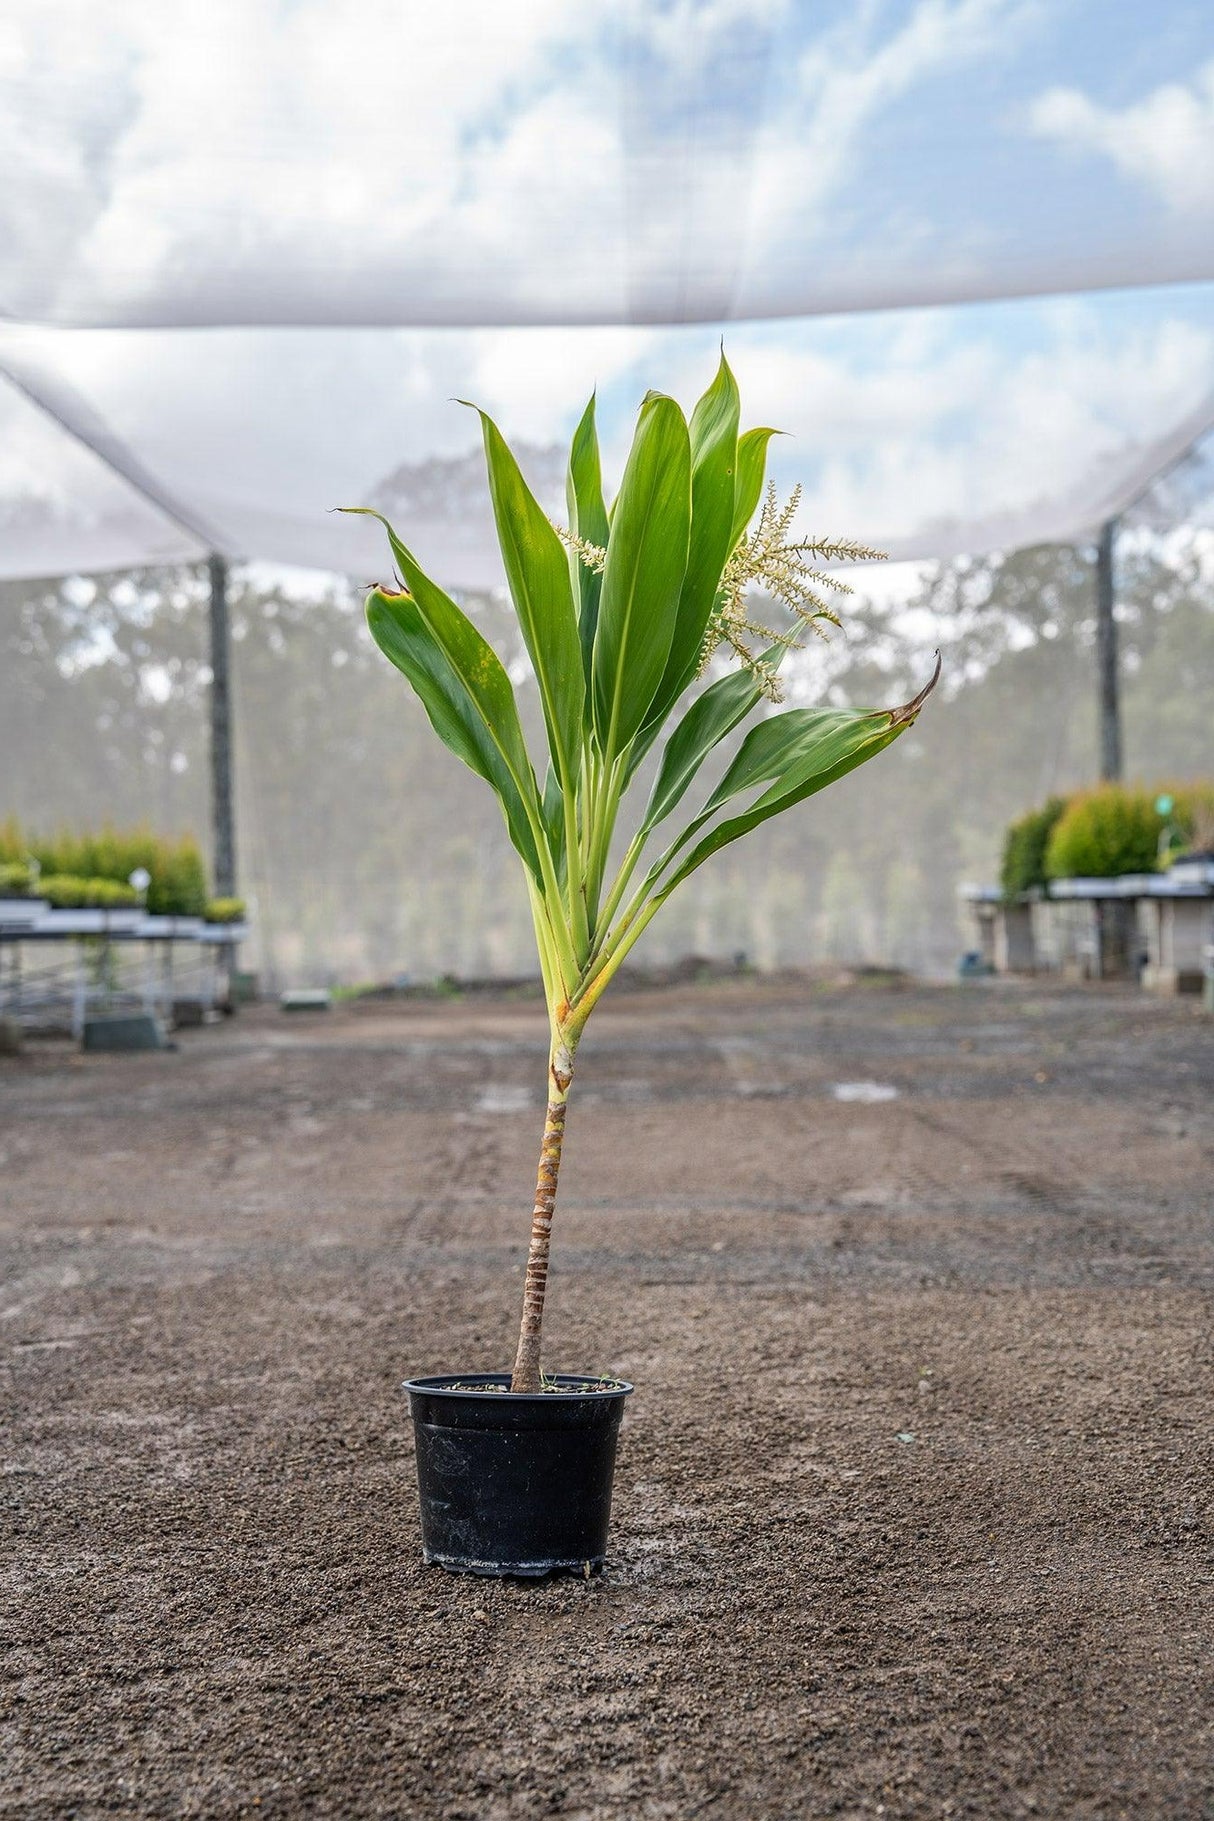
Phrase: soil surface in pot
x=587 y=1387
x=912 y=1509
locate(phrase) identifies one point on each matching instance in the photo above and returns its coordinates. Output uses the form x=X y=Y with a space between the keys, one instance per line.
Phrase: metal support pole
x=222 y=819
x=1106 y=654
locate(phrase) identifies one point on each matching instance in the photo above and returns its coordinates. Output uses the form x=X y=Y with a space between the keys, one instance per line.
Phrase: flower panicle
x=592 y=556
x=786 y=571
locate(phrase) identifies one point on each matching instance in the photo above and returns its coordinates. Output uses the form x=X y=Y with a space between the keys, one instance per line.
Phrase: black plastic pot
x=515 y=1482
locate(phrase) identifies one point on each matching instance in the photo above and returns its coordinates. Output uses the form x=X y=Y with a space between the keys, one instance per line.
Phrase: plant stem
x=627 y=868
x=588 y=995
x=607 y=957
x=574 y=881
x=606 y=809
x=568 y=965
x=549 y=970
x=526 y=1376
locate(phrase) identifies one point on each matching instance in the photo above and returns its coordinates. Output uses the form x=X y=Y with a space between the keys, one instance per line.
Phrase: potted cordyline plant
x=621 y=613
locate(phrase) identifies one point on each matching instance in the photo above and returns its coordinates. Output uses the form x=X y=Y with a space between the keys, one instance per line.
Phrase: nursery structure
x=1115 y=884
x=202 y=383
x=111 y=925
x=61 y=969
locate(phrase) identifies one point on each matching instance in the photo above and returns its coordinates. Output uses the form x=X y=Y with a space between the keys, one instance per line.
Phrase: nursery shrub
x=16 y=878
x=1105 y=832
x=179 y=880
x=1193 y=816
x=13 y=847
x=225 y=910
x=62 y=855
x=65 y=892
x=1024 y=849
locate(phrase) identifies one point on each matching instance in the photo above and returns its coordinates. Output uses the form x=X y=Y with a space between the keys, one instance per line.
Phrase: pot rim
x=443 y=1384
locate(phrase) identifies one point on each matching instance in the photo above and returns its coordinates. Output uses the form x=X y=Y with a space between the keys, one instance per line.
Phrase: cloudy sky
x=253 y=247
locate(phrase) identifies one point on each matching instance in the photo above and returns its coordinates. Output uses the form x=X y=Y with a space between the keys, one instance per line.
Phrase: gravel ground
x=913 y=1501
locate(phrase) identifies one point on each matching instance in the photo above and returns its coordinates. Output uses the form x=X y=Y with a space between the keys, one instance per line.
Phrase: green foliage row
x=1105 y=832
x=63 y=891
x=1024 y=849
x=16 y=878
x=225 y=910
x=14 y=849
x=1193 y=816
x=178 y=880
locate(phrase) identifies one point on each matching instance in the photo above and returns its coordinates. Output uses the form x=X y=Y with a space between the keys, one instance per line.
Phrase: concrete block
x=1168 y=981
x=130 y=1031
x=1013 y=947
x=189 y=1013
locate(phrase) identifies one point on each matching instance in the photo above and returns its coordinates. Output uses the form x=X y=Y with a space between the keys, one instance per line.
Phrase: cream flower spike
x=785 y=572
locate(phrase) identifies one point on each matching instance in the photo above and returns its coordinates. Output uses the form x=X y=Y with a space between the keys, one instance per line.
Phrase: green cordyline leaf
x=796 y=754
x=537 y=569
x=714 y=450
x=588 y=521
x=711 y=717
x=456 y=671
x=552 y=810
x=748 y=460
x=643 y=577
x=752 y=464
x=402 y=635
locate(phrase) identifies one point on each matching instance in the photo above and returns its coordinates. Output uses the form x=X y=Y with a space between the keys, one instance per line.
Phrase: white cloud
x=1060 y=425
x=1165 y=141
x=541 y=378
x=845 y=79
x=277 y=161
x=687 y=34
x=264 y=146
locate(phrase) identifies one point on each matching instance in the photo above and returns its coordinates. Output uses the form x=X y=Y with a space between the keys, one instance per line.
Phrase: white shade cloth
x=250 y=248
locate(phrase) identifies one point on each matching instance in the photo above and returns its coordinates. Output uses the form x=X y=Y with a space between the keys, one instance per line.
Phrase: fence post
x=222 y=816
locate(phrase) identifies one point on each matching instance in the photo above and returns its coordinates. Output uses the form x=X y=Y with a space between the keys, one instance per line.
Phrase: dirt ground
x=913 y=1501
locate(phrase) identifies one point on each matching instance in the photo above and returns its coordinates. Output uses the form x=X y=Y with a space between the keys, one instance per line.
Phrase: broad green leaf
x=797 y=754
x=476 y=666
x=711 y=717
x=401 y=633
x=727 y=480
x=552 y=809
x=752 y=464
x=646 y=561
x=779 y=799
x=587 y=520
x=773 y=747
x=714 y=450
x=537 y=569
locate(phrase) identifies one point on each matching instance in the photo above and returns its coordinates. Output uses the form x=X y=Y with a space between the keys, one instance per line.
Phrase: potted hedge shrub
x=100 y=906
x=1025 y=845
x=623 y=612
x=1023 y=879
x=225 y=912
x=20 y=905
x=1104 y=833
